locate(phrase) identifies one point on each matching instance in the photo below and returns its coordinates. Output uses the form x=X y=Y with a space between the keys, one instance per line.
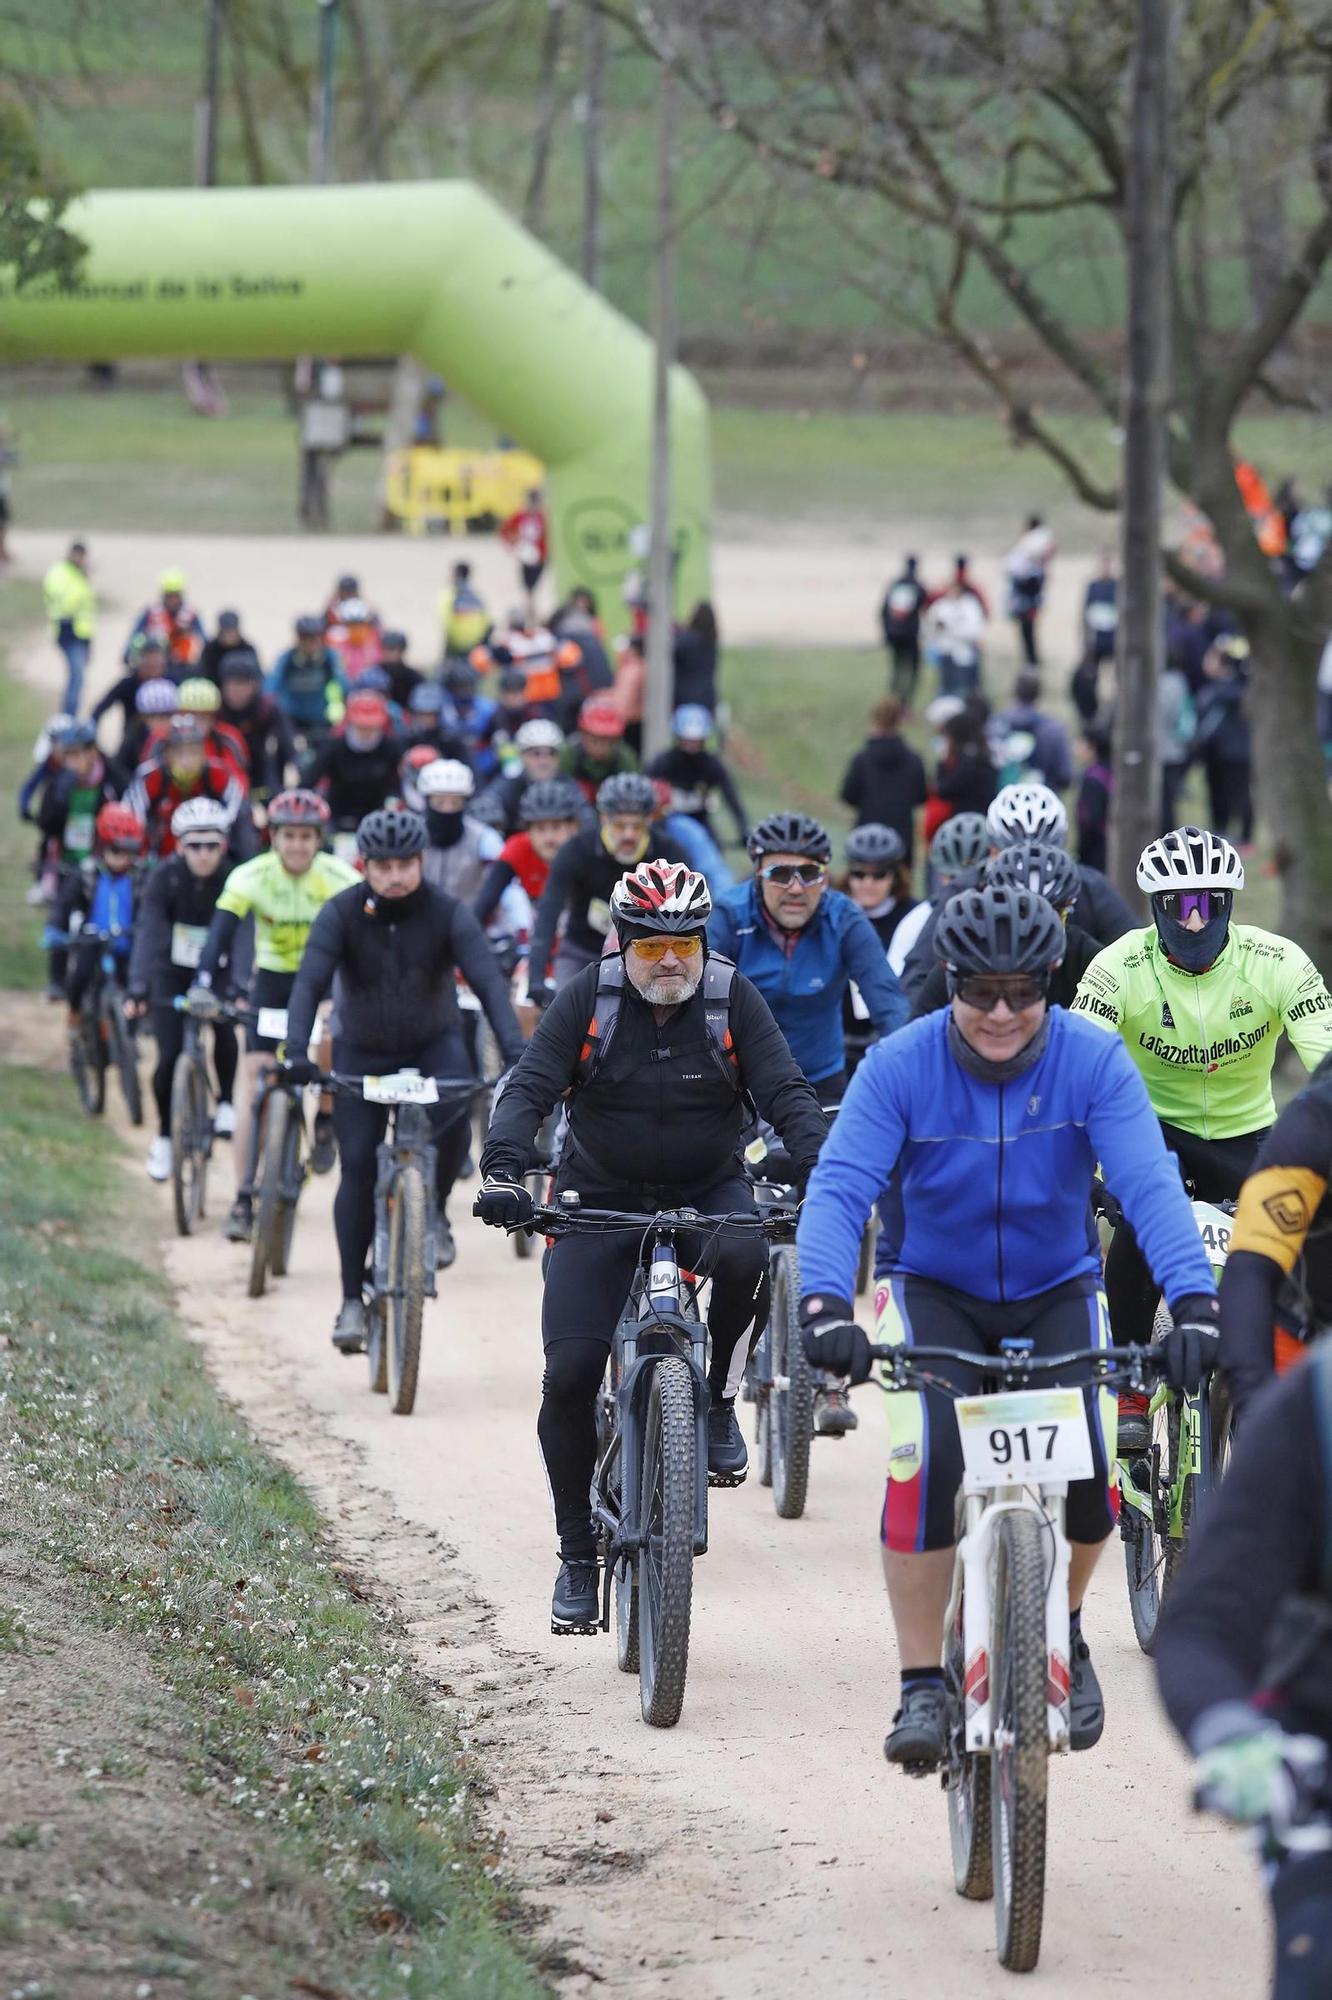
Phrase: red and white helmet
x=660 y=897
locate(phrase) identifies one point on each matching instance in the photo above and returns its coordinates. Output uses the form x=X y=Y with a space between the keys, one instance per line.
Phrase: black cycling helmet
x=961 y=842
x=550 y=798
x=459 y=678
x=390 y=833
x=626 y=792
x=789 y=833
x=240 y=664
x=1033 y=864
x=875 y=846
x=999 y=930
x=309 y=628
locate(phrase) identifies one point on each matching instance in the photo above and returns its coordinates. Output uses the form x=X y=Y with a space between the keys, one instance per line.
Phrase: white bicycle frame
x=973 y=1573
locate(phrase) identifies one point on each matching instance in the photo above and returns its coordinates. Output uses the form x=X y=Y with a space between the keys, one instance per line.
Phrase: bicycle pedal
x=726 y=1478
x=588 y=1630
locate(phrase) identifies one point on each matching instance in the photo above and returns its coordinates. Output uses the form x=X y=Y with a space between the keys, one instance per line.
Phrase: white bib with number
x=405 y=1086
x=79 y=832
x=599 y=917
x=1027 y=1437
x=271 y=1024
x=187 y=943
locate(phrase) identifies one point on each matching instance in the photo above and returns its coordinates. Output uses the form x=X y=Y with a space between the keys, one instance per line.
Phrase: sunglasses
x=203 y=846
x=1181 y=903
x=650 y=951
x=984 y=994
x=867 y=874
x=784 y=873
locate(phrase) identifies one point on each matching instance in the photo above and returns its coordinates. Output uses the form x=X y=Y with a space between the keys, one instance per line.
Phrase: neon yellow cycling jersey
x=284 y=905
x=1205 y=1043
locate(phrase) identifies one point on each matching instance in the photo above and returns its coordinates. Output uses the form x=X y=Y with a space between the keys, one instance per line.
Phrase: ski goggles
x=651 y=950
x=1182 y=903
x=807 y=873
x=984 y=991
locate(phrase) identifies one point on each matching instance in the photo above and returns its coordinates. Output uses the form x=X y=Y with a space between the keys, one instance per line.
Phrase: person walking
x=1223 y=738
x=1034 y=741
x=954 y=629
x=884 y=784
x=71 y=606
x=899 y=615
x=1026 y=565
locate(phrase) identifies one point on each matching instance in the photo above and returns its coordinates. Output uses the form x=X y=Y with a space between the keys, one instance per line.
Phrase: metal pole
x=657 y=705
x=328 y=74
x=205 y=123
x=1137 y=796
x=593 y=109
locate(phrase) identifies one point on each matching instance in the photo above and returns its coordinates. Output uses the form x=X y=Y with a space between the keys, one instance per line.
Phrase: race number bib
x=1031 y=1437
x=344 y=846
x=599 y=917
x=271 y=1024
x=187 y=943
x=405 y=1086
x=79 y=833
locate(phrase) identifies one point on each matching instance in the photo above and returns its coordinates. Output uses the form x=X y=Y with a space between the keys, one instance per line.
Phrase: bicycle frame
x=407 y=1142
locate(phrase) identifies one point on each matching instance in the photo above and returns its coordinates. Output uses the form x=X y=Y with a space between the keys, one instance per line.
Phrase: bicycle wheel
x=87 y=1062
x=124 y=1053
x=967 y=1782
x=1019 y=1761
x=277 y=1109
x=406 y=1299
x=190 y=1126
x=290 y=1180
x=791 y=1398
x=760 y=1363
x=376 y=1344
x=626 y=1616
x=666 y=1558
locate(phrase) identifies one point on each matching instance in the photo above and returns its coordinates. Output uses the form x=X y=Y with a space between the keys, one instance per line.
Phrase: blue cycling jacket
x=804 y=988
x=112 y=910
x=991 y=1182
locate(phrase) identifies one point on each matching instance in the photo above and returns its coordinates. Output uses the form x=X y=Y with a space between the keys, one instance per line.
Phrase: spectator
x=1176 y=721
x=954 y=629
x=71 y=606
x=885 y=780
x=1026 y=565
x=228 y=638
x=526 y=533
x=964 y=778
x=1036 y=742
x=1094 y=790
x=629 y=689
x=462 y=614
x=696 y=660
x=900 y=615
x=1223 y=738
x=1100 y=611
x=9 y=458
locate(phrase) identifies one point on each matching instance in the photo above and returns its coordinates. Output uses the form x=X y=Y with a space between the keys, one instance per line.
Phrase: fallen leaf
x=244 y=1697
x=314 y=1753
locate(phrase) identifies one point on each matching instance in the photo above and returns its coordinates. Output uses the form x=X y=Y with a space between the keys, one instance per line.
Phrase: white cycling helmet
x=1188 y=857
x=1026 y=812
x=660 y=897
x=539 y=734
x=208 y=816
x=446 y=774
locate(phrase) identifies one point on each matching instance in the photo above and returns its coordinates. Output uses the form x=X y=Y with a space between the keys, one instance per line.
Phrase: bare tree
x=995 y=136
x=548 y=110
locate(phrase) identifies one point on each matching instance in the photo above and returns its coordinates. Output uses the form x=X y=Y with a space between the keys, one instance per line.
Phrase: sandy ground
x=762 y=1846
x=775 y=587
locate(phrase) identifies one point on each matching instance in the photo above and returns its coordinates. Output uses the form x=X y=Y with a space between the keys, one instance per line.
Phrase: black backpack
x=718 y=978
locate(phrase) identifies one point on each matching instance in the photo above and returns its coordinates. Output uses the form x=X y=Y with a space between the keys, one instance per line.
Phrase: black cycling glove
x=832 y=1340
x=1191 y=1346
x=504 y=1204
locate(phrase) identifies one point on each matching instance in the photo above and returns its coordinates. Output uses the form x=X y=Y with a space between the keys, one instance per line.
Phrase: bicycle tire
x=275 y=1114
x=407 y=1222
x=626 y=1616
x=125 y=1055
x=791 y=1410
x=1020 y=1758
x=666 y=1558
x=289 y=1190
x=969 y=1826
x=1144 y=1562
x=761 y=1363
x=87 y=1064
x=189 y=1143
x=376 y=1345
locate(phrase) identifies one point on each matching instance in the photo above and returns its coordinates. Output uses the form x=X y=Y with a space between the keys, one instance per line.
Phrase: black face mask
x=445 y=828
x=1192 y=951
x=394 y=909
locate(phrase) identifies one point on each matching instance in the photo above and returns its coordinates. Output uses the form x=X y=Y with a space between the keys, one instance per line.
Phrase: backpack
x=718 y=978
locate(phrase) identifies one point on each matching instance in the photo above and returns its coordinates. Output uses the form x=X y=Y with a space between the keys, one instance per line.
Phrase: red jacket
x=154 y=795
x=224 y=741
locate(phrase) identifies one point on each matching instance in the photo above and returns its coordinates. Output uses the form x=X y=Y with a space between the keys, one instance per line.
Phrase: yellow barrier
x=431 y=489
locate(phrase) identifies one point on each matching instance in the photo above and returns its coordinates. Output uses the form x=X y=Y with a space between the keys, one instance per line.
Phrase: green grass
x=192 y=1540
x=21 y=716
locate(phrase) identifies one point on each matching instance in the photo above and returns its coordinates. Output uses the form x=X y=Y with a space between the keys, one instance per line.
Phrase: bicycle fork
x=973 y=1576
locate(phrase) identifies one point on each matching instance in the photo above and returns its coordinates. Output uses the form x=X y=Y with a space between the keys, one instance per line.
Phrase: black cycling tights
x=1218 y=1168
x=587 y=1282
x=1302 y=1907
x=169 y=1031
x=360 y=1127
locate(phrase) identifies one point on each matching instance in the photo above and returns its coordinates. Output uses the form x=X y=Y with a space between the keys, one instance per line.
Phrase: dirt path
x=762 y=1846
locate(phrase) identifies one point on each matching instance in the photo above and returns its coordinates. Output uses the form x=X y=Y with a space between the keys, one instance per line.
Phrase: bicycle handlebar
x=219 y=1010
x=774 y=1219
x=352 y=1086
x=1131 y=1364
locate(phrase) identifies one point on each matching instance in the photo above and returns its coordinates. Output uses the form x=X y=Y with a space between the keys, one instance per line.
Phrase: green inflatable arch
x=433 y=269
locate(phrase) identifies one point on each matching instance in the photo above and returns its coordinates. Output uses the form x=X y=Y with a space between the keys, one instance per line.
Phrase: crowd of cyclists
x=970 y=1065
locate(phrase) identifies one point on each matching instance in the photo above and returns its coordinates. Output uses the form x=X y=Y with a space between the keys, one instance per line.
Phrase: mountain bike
x=1006 y=1639
x=404 y=1256
x=650 y=1488
x=104 y=1039
x=192 y=1114
x=778 y=1379
x=277 y=1172
x=1162 y=1493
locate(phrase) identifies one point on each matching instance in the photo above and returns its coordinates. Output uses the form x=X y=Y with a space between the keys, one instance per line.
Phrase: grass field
x=22 y=963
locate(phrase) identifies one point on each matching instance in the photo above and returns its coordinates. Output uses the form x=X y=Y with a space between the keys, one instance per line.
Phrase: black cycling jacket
x=355 y=782
x=659 y=1113
x=172 y=896
x=582 y=876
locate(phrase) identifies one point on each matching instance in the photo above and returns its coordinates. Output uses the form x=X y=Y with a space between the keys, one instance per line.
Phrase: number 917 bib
x=1030 y=1437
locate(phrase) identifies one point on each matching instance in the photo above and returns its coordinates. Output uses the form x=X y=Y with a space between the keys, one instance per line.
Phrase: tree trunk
x=548 y=104
x=1290 y=773
x=594 y=85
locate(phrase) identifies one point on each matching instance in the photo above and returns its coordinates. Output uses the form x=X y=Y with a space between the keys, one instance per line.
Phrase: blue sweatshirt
x=991 y=1182
x=804 y=987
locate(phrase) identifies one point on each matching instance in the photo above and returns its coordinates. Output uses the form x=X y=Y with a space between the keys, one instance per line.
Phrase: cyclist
x=307 y=683
x=394 y=943
x=1200 y=1003
x=228 y=638
x=469 y=718
x=174 y=914
x=426 y=726
x=147 y=661
x=73 y=794
x=284 y=890
x=802 y=944
x=180 y=768
x=1050 y=872
x=155 y=702
x=257 y=720
x=956 y=858
x=460 y=848
x=694 y=772
x=1245 y=1665
x=1034 y=812
x=878 y=881
x=200 y=698
x=655 y=1118
x=538 y=744
x=985 y=1124
x=356 y=769
x=402 y=679
x=173 y=621
x=582 y=877
x=101 y=895
x=552 y=813
x=599 y=750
